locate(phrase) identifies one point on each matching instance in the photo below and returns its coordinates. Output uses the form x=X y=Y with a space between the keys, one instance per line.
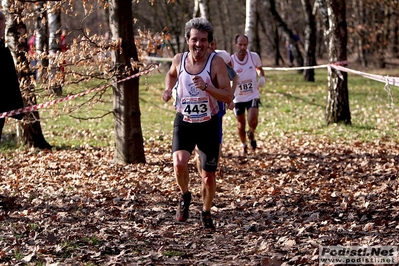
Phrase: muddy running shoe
x=182 y=209
x=251 y=137
x=207 y=222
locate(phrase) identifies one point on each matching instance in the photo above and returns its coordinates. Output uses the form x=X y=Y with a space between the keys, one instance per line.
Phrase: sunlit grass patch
x=289 y=106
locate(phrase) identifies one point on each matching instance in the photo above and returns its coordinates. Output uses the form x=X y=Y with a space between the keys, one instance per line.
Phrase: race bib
x=196 y=109
x=245 y=87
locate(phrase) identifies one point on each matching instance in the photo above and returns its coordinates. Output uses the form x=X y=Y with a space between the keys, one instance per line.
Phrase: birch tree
x=54 y=27
x=201 y=9
x=41 y=39
x=334 y=17
x=250 y=22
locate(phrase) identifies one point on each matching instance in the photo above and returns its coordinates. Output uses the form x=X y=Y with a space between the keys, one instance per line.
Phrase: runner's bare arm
x=171 y=78
x=262 y=78
x=223 y=91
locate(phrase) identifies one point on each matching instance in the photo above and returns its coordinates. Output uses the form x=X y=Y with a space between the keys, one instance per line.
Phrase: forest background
x=371 y=26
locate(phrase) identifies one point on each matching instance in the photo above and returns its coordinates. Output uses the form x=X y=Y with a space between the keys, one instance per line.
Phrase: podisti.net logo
x=330 y=255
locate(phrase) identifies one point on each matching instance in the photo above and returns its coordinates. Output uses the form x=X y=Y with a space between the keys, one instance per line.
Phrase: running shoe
x=207 y=222
x=251 y=137
x=244 y=151
x=182 y=209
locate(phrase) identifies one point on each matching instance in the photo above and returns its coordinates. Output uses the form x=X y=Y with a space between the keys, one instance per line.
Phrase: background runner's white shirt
x=247 y=85
x=196 y=105
x=225 y=55
x=227 y=59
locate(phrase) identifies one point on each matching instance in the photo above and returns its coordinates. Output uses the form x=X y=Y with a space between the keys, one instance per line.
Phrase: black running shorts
x=204 y=135
x=239 y=108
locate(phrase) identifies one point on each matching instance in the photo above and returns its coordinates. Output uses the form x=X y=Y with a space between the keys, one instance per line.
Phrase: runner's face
x=198 y=43
x=242 y=45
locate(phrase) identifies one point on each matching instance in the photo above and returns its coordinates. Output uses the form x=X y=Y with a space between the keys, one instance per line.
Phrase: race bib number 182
x=246 y=87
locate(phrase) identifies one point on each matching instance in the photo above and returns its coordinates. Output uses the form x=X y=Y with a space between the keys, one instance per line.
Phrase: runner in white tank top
x=195 y=104
x=247 y=87
x=247 y=96
x=196 y=101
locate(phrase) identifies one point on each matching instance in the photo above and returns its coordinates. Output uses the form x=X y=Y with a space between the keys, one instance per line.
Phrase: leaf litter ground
x=274 y=207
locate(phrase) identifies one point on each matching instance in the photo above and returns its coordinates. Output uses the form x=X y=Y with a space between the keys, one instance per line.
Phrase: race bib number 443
x=196 y=109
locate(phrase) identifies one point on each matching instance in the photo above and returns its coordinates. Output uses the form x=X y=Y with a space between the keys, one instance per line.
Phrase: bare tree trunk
x=168 y=12
x=270 y=30
x=383 y=35
x=201 y=9
x=277 y=45
x=256 y=42
x=360 y=33
x=32 y=134
x=105 y=19
x=41 y=42
x=250 y=23
x=196 y=12
x=289 y=35
x=321 y=42
x=395 y=36
x=334 y=14
x=54 y=22
x=310 y=40
x=224 y=20
x=128 y=134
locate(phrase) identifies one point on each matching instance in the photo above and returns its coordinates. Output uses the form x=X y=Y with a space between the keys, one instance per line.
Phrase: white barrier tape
x=340 y=63
x=154 y=58
x=385 y=79
x=337 y=65
x=46 y=104
x=293 y=68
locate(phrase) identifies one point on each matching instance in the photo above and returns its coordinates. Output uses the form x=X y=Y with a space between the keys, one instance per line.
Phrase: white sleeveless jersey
x=247 y=85
x=196 y=105
x=225 y=55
